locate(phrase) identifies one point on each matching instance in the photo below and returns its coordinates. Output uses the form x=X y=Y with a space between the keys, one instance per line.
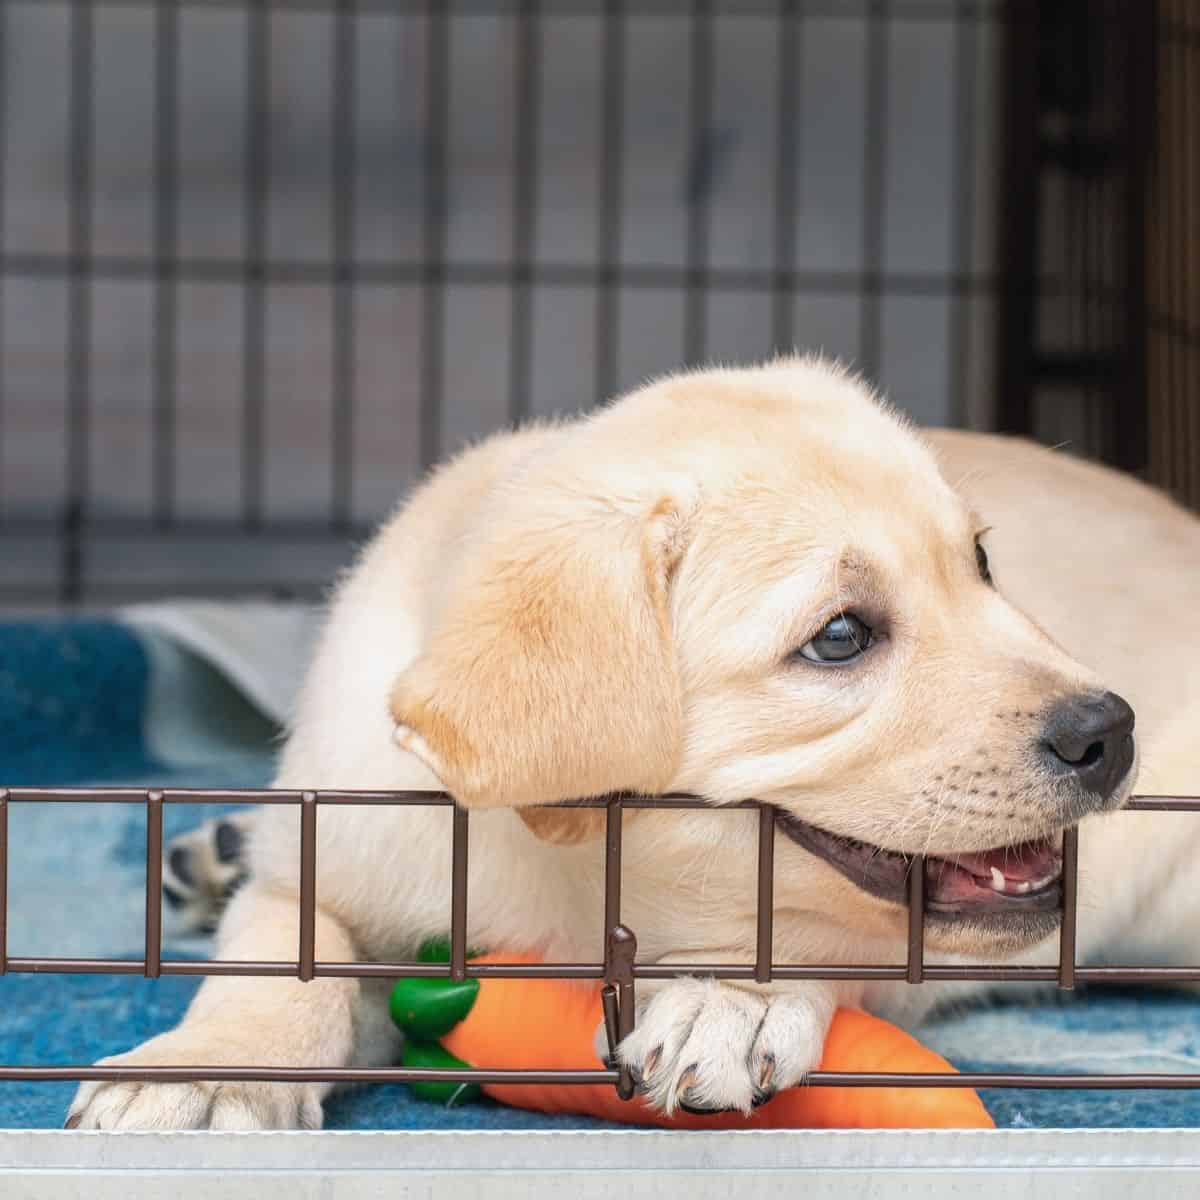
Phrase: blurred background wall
x=262 y=263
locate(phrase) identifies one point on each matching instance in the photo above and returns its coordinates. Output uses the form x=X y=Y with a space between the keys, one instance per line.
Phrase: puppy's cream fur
x=615 y=603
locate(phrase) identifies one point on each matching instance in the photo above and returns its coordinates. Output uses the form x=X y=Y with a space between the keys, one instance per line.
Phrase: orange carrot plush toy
x=501 y=1024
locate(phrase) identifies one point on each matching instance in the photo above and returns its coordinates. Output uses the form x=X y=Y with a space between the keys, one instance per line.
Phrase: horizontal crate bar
x=173 y=529
x=472 y=971
x=930 y=10
x=941 y=1079
x=1163 y=804
x=778 y=971
x=136 y=795
x=415 y=970
x=30 y=795
x=500 y=274
x=331 y=970
x=299 y=1075
x=136 y=966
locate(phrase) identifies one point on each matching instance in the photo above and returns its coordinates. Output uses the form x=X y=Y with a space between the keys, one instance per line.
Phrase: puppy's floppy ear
x=551 y=674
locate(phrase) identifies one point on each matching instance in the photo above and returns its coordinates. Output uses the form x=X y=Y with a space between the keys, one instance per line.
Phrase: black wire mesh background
x=263 y=261
x=1080 y=136
x=250 y=291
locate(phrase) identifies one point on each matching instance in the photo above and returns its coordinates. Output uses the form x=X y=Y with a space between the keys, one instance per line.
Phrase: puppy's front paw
x=173 y=1106
x=706 y=1046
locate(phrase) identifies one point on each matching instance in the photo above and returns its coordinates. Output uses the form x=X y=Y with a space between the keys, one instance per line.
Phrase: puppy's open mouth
x=1018 y=879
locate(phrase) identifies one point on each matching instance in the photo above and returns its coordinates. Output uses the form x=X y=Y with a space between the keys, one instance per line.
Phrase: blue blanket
x=75 y=704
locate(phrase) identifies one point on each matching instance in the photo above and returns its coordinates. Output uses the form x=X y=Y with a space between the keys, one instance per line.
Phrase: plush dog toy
x=501 y=1024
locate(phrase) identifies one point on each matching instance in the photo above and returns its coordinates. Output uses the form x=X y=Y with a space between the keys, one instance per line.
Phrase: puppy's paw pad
x=202 y=869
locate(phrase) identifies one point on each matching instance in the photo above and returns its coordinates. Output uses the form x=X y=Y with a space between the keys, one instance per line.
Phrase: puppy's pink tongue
x=1011 y=871
x=1028 y=862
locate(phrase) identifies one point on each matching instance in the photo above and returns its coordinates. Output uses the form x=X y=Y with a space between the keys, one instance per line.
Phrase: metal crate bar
x=3 y=881
x=619 y=970
x=284 y=272
x=152 y=967
x=915 y=969
x=766 y=895
x=343 y=1075
x=459 y=864
x=308 y=885
x=1070 y=886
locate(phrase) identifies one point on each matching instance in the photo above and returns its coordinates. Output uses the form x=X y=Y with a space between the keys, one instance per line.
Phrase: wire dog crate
x=264 y=262
x=251 y=292
x=619 y=970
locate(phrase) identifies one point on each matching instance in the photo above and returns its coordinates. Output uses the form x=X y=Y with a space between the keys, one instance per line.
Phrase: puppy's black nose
x=1090 y=737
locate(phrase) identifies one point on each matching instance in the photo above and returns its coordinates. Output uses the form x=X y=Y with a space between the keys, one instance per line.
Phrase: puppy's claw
x=699 y=1112
x=766 y=1072
x=652 y=1061
x=684 y=1084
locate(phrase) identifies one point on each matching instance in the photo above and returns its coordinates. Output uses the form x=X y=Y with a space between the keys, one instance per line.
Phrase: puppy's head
x=757 y=584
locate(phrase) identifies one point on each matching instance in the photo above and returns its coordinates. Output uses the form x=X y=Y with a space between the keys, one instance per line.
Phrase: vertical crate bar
x=766 y=893
x=608 y=248
x=1131 y=396
x=254 y=265
x=308 y=886
x=81 y=104
x=916 y=920
x=1070 y=887
x=962 y=225
x=3 y=881
x=620 y=946
x=154 y=853
x=874 y=172
x=527 y=68
x=699 y=184
x=620 y=954
x=1018 y=217
x=434 y=232
x=788 y=67
x=459 y=867
x=166 y=248
x=343 y=196
x=612 y=875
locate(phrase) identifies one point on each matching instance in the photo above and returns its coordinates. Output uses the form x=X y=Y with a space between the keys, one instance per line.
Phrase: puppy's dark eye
x=981 y=561
x=843 y=639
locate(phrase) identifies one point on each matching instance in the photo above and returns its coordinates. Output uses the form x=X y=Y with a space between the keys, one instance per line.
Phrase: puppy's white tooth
x=997 y=880
x=1024 y=887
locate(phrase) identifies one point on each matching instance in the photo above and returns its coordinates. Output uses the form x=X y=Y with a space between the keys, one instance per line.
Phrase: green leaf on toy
x=427 y=1009
x=430 y=1055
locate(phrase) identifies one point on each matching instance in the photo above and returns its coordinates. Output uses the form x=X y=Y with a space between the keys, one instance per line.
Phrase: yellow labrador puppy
x=738 y=583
